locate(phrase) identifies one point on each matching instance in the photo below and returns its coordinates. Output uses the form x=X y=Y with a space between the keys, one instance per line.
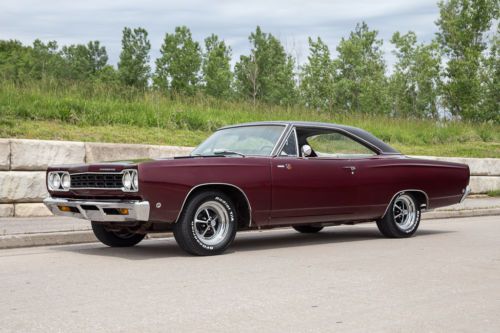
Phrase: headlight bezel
x=60 y=181
x=55 y=181
x=132 y=177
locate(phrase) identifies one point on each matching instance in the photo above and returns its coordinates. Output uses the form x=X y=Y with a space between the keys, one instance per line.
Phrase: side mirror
x=306 y=150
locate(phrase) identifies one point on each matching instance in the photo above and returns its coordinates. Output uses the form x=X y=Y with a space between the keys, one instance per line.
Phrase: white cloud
x=292 y=21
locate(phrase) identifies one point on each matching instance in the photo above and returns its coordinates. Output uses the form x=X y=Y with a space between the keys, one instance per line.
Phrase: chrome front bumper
x=100 y=211
x=466 y=193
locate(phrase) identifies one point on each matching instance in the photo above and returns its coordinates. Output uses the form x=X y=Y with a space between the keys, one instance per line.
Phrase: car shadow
x=265 y=241
x=244 y=242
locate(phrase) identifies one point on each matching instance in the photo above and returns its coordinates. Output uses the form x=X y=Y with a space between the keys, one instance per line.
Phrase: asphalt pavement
x=56 y=230
x=346 y=279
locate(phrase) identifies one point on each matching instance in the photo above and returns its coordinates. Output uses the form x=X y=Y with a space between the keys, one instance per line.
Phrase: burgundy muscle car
x=253 y=176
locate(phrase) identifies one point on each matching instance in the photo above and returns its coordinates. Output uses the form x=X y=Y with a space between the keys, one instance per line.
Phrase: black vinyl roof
x=356 y=133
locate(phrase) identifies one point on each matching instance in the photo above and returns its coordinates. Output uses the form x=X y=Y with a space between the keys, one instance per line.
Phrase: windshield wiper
x=228 y=152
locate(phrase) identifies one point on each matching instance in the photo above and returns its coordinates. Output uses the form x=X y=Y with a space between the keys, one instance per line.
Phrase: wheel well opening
x=420 y=197
x=237 y=196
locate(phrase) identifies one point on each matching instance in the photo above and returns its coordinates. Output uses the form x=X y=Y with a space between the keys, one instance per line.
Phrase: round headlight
x=127 y=180
x=66 y=181
x=49 y=180
x=135 y=181
x=55 y=181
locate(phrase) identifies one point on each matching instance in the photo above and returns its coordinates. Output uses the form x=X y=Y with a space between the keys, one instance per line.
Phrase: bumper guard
x=100 y=211
x=466 y=193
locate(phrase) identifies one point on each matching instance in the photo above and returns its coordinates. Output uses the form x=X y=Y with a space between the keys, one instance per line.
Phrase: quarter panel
x=383 y=177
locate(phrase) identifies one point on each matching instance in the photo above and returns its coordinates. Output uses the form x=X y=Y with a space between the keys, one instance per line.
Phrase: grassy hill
x=85 y=112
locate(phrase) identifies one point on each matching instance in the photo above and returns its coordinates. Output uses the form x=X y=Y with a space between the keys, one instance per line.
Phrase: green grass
x=495 y=193
x=84 y=112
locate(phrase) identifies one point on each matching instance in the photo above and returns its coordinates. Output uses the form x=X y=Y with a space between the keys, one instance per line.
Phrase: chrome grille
x=97 y=180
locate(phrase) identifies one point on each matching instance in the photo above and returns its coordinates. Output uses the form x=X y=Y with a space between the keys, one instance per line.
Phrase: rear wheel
x=307 y=229
x=207 y=225
x=402 y=218
x=116 y=238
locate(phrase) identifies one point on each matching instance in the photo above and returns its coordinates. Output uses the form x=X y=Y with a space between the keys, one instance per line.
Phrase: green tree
x=317 y=77
x=267 y=73
x=133 y=67
x=177 y=69
x=98 y=57
x=85 y=61
x=45 y=61
x=463 y=24
x=247 y=77
x=490 y=106
x=361 y=85
x=415 y=81
x=15 y=60
x=216 y=67
x=108 y=74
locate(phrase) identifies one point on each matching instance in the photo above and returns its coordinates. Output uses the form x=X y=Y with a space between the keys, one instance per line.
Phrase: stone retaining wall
x=23 y=164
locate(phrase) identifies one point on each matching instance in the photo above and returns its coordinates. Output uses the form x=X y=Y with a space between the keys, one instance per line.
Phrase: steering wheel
x=263 y=148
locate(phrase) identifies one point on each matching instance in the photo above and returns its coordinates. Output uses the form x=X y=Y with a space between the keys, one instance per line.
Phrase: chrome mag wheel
x=211 y=223
x=405 y=213
x=207 y=225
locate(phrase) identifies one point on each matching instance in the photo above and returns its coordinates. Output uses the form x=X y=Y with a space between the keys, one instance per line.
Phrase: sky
x=292 y=21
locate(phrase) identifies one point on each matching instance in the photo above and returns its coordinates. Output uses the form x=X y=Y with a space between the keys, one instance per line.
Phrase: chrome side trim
x=276 y=145
x=281 y=141
x=294 y=132
x=296 y=141
x=138 y=210
x=467 y=191
x=409 y=190
x=223 y=184
x=362 y=141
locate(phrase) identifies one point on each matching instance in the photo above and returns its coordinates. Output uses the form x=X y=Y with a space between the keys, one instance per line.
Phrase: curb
x=444 y=214
x=57 y=238
x=82 y=237
x=49 y=238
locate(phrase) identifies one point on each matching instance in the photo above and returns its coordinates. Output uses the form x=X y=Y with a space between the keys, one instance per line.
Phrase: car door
x=312 y=189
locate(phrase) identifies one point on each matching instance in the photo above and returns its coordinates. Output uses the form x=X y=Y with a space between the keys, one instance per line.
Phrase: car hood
x=117 y=166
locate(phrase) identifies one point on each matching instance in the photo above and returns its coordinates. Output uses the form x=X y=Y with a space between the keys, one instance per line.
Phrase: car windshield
x=244 y=140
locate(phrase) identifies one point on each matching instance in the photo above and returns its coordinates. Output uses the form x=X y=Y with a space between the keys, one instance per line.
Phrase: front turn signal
x=123 y=211
x=64 y=208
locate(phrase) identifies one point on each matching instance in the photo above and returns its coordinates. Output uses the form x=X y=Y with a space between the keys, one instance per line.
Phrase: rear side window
x=337 y=145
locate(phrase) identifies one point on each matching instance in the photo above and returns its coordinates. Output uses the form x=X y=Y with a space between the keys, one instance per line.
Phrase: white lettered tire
x=208 y=224
x=402 y=218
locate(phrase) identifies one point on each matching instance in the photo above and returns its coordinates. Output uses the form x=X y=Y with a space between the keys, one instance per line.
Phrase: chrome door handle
x=352 y=168
x=287 y=166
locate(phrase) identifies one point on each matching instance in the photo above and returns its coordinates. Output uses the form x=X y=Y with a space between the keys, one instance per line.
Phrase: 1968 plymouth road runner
x=255 y=176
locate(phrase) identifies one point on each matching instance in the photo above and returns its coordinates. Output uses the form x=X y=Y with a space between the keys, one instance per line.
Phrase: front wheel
x=402 y=218
x=207 y=225
x=115 y=238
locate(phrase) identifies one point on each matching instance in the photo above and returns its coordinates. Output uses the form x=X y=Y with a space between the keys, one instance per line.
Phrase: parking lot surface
x=349 y=278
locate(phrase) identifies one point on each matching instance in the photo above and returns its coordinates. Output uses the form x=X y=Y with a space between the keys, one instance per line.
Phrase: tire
x=402 y=218
x=115 y=239
x=207 y=226
x=308 y=229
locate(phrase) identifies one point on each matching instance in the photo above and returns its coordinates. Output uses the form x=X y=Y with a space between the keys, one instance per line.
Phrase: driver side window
x=336 y=145
x=290 y=148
